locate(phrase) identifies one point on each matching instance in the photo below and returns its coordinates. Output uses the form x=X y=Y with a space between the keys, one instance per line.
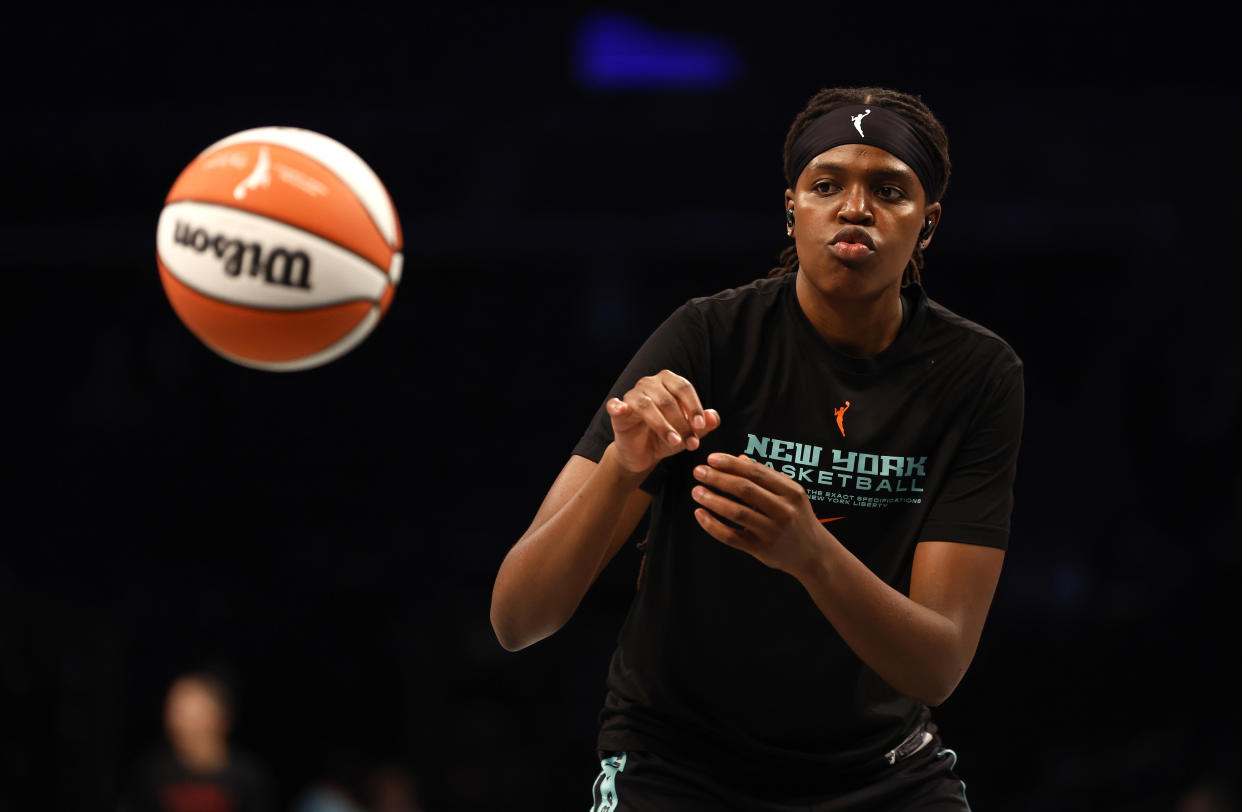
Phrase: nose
x=855 y=205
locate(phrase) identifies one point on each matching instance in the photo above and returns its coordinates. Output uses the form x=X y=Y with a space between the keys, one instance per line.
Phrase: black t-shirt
x=162 y=784
x=729 y=665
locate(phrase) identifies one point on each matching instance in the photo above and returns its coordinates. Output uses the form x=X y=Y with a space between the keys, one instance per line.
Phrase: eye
x=890 y=193
x=824 y=187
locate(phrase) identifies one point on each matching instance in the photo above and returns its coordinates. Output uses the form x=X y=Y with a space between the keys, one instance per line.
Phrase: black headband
x=877 y=127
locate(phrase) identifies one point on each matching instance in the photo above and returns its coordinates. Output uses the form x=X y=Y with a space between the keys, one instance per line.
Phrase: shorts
x=635 y=781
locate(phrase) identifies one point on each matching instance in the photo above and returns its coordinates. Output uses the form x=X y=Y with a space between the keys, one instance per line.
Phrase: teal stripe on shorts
x=605 y=790
x=951 y=766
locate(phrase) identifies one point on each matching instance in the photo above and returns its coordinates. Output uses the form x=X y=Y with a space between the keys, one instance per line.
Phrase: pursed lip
x=853 y=234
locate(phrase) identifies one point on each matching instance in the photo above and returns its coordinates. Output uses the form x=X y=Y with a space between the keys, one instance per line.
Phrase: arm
x=584 y=520
x=592 y=509
x=920 y=644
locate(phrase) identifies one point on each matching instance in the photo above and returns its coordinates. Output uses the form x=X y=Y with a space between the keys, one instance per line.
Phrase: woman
x=828 y=457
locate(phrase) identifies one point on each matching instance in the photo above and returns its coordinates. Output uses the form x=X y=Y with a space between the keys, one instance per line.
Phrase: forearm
x=545 y=575
x=916 y=650
x=921 y=645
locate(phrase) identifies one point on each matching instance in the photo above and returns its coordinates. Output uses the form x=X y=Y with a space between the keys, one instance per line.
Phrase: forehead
x=190 y=690
x=862 y=159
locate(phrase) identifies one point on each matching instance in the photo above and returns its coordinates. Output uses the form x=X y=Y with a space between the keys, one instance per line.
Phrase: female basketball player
x=828 y=457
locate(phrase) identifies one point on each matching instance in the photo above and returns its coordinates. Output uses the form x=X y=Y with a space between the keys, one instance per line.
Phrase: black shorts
x=644 y=782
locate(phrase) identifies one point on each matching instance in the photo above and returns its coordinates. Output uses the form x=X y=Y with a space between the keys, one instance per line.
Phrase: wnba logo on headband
x=885 y=129
x=858 y=122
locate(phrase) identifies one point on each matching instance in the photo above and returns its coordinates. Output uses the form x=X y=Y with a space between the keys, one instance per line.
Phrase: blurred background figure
x=392 y=788
x=337 y=785
x=1215 y=792
x=348 y=781
x=324 y=796
x=197 y=770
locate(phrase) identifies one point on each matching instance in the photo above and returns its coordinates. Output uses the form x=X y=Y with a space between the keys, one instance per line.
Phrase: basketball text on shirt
x=851 y=470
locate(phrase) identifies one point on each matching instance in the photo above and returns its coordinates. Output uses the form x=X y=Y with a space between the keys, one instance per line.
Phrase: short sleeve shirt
x=728 y=664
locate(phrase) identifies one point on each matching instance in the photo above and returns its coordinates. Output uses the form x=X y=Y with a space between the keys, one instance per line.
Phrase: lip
x=850 y=253
x=854 y=234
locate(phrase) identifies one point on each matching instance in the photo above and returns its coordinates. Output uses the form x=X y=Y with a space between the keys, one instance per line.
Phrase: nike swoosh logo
x=833 y=519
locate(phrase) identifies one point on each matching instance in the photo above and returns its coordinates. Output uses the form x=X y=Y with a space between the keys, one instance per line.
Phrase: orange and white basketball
x=279 y=248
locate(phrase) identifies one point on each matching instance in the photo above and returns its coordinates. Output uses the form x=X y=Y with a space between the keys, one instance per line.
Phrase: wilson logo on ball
x=305 y=219
x=279 y=267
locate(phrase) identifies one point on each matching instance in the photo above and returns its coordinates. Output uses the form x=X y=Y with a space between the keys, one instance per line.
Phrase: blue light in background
x=616 y=52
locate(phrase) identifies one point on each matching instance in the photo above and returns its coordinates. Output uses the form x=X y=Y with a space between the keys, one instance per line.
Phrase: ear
x=789 y=197
x=933 y=213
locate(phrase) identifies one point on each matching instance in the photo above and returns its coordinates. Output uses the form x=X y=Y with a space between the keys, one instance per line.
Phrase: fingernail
x=698 y=492
x=673 y=438
x=700 y=470
x=698 y=422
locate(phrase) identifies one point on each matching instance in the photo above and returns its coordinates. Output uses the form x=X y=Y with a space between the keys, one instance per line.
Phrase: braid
x=910 y=107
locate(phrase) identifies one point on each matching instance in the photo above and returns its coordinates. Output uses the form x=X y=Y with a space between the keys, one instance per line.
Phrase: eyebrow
x=884 y=172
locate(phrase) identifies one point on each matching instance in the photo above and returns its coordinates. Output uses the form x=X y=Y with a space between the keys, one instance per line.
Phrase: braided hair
x=906 y=105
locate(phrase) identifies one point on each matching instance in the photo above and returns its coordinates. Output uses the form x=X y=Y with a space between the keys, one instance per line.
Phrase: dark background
x=331 y=536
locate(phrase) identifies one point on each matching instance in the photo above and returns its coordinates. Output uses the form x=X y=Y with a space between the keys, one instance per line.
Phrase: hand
x=659 y=417
x=777 y=524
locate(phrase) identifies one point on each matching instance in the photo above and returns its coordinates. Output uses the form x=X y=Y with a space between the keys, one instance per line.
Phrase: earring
x=789 y=222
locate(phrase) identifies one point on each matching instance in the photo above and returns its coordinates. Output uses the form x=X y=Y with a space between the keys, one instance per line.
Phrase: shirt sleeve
x=678 y=345
x=975 y=504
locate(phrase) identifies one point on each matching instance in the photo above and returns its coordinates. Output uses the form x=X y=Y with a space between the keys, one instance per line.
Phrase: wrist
x=612 y=464
x=815 y=567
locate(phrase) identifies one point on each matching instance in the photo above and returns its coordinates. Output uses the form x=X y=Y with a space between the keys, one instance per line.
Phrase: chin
x=850 y=282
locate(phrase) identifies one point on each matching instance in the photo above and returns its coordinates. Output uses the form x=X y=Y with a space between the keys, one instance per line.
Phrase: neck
x=858 y=328
x=202 y=755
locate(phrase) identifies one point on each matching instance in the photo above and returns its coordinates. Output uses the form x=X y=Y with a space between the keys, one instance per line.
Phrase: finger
x=766 y=478
x=751 y=493
x=622 y=414
x=738 y=539
x=660 y=411
x=628 y=426
x=669 y=392
x=711 y=420
x=742 y=515
x=687 y=398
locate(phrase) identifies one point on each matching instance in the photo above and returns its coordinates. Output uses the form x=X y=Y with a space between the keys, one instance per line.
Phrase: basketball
x=279 y=248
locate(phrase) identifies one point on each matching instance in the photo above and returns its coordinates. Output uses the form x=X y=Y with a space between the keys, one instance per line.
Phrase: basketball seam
x=339 y=348
x=316 y=234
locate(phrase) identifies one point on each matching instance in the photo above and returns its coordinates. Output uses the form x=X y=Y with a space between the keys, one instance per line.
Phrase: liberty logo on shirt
x=839 y=412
